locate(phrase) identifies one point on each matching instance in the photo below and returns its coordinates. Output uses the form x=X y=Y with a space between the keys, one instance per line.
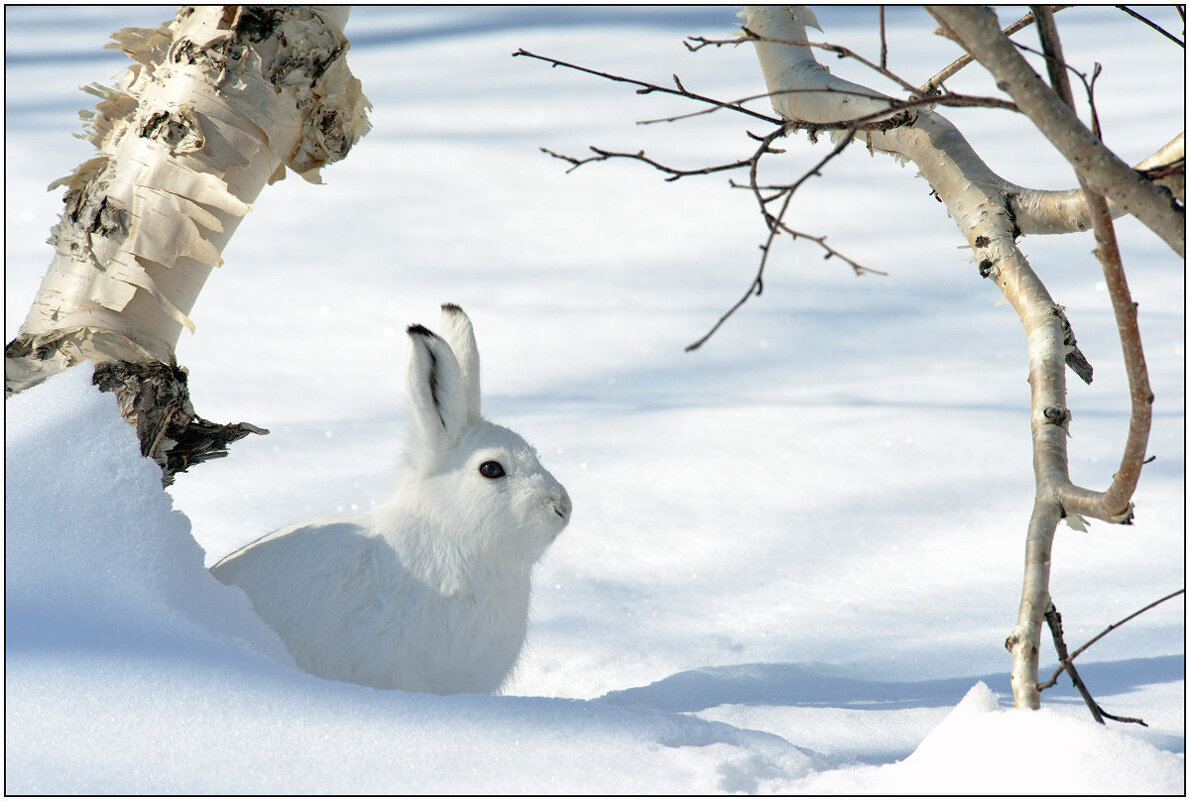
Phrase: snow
x=795 y=553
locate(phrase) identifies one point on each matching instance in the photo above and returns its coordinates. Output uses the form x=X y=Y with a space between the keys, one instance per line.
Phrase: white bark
x=221 y=99
x=991 y=213
x=1102 y=171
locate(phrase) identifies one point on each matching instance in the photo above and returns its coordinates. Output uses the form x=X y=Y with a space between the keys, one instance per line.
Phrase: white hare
x=429 y=592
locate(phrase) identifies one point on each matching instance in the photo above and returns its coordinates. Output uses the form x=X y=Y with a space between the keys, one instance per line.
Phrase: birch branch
x=981 y=204
x=1116 y=502
x=950 y=70
x=1102 y=170
x=1066 y=211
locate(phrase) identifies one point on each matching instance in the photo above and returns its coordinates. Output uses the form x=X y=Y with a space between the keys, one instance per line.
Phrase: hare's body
x=387 y=611
x=429 y=592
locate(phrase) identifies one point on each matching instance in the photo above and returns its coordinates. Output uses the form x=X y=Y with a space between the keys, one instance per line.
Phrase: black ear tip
x=419 y=330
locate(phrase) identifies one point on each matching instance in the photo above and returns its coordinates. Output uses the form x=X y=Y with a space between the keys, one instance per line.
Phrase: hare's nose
x=562 y=506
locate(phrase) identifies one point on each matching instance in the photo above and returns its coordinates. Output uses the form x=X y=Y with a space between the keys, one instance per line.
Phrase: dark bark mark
x=155 y=400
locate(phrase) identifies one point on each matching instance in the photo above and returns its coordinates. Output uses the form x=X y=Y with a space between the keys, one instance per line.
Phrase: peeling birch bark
x=991 y=213
x=219 y=102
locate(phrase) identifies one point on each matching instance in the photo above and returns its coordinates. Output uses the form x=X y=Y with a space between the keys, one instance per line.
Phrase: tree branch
x=775 y=225
x=935 y=83
x=874 y=120
x=1115 y=504
x=1055 y=623
x=981 y=203
x=1040 y=211
x=1153 y=25
x=916 y=96
x=647 y=88
x=673 y=172
x=1102 y=170
x=1067 y=661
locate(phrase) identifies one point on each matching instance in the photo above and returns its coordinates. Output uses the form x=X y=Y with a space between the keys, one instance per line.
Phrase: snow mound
x=1011 y=751
x=129 y=669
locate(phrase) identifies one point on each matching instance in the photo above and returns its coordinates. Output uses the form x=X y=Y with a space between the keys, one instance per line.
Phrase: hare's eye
x=491 y=470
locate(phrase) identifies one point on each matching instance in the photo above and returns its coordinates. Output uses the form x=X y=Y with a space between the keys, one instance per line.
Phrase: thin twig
x=839 y=50
x=1153 y=25
x=899 y=113
x=775 y=226
x=1055 y=622
x=1078 y=651
x=883 y=42
x=673 y=172
x=878 y=120
x=935 y=83
x=647 y=88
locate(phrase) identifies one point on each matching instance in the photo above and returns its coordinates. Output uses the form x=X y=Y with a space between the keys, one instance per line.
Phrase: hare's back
x=305 y=581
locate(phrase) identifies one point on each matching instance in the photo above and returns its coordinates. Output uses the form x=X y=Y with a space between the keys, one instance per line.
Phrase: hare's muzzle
x=562 y=506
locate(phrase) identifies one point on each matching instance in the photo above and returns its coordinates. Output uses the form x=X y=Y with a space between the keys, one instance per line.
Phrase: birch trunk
x=219 y=102
x=991 y=213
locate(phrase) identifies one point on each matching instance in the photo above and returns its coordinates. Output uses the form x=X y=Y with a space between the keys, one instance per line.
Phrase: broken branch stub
x=220 y=101
x=155 y=400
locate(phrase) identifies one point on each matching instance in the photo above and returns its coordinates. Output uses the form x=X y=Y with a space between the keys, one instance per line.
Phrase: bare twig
x=934 y=84
x=1055 y=623
x=1088 y=83
x=883 y=42
x=775 y=225
x=673 y=172
x=1154 y=25
x=917 y=96
x=1065 y=663
x=700 y=42
x=897 y=114
x=647 y=88
x=1097 y=712
x=877 y=121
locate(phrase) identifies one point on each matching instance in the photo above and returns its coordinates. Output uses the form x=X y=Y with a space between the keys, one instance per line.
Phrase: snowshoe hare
x=429 y=592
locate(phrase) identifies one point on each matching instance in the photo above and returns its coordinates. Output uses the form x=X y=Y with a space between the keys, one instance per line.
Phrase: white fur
x=429 y=592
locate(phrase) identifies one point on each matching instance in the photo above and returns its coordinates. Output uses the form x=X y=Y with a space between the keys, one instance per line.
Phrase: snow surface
x=795 y=553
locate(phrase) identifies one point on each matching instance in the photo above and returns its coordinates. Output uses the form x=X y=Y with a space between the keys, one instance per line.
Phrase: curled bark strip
x=218 y=101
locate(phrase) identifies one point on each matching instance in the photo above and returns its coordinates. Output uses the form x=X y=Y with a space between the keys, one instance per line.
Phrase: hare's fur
x=429 y=592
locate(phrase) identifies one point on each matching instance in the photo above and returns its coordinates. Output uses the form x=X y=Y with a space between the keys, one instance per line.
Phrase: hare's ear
x=456 y=329
x=436 y=398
